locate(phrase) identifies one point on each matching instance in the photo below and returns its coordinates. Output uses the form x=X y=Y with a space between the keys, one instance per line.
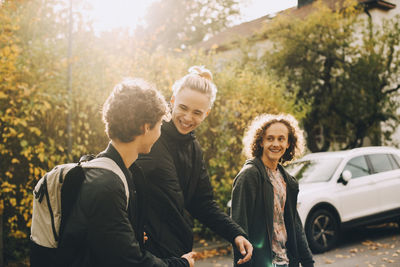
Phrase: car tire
x=322 y=231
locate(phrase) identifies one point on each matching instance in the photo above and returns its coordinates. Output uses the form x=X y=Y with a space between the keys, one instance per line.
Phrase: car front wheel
x=322 y=231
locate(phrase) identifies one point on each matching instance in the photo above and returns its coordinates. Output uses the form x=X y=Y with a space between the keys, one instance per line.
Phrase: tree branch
x=392 y=90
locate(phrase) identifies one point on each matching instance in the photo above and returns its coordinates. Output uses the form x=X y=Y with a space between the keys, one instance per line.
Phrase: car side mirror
x=345 y=177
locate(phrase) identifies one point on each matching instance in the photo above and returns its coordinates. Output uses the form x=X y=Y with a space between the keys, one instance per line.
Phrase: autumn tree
x=35 y=102
x=344 y=67
x=180 y=23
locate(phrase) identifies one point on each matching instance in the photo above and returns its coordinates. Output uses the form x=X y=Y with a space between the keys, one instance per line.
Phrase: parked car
x=344 y=189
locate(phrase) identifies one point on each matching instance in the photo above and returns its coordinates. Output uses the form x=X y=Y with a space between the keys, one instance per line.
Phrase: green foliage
x=35 y=102
x=344 y=67
x=180 y=23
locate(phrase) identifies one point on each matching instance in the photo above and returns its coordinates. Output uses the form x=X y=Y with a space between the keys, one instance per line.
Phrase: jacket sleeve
x=244 y=193
x=111 y=237
x=204 y=208
x=243 y=200
x=305 y=255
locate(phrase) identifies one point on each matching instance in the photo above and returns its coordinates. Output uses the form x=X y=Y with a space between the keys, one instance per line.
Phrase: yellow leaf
x=23 y=123
x=3 y=95
x=14 y=48
x=36 y=172
x=41 y=157
x=46 y=105
x=35 y=130
x=6 y=51
x=13 y=202
x=29 y=223
x=14 y=161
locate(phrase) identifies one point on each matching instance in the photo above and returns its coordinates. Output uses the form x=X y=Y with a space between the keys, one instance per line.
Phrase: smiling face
x=189 y=109
x=275 y=143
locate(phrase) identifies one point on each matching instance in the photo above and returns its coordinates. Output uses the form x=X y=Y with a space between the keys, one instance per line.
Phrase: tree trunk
x=316 y=138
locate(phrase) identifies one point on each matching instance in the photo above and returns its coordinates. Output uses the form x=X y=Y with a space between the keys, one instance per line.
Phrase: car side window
x=358 y=167
x=381 y=163
x=396 y=160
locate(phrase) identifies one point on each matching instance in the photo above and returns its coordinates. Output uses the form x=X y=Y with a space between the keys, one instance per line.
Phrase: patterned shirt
x=279 y=235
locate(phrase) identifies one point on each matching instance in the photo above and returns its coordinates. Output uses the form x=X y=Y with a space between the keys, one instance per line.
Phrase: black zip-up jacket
x=252 y=208
x=100 y=230
x=178 y=188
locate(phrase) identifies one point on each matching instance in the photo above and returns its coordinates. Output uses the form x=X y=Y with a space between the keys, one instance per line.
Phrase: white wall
x=377 y=16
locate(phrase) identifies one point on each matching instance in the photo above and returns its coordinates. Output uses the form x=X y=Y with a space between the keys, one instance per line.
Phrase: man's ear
x=145 y=128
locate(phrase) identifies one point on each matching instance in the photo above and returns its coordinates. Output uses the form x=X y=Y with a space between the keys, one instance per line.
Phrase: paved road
x=372 y=246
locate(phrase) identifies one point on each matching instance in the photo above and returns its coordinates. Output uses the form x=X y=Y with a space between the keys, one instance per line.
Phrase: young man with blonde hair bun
x=179 y=186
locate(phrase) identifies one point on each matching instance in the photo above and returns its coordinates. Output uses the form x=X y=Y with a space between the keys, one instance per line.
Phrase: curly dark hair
x=131 y=104
x=254 y=136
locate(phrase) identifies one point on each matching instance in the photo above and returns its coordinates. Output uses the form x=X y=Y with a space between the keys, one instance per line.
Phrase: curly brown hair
x=131 y=104
x=254 y=136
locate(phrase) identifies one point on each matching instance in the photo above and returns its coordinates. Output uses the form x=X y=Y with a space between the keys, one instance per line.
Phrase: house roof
x=230 y=35
x=385 y=5
x=223 y=40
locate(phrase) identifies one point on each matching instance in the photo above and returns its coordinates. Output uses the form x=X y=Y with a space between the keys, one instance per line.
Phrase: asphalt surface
x=369 y=246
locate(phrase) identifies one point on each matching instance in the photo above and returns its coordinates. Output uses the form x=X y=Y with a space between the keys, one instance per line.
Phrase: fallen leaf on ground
x=328 y=261
x=353 y=250
x=388 y=260
x=209 y=253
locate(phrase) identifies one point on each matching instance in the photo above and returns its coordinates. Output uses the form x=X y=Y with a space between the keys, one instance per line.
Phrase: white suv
x=343 y=189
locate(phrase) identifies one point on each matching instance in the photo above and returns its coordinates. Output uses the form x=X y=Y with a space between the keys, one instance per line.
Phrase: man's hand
x=245 y=248
x=190 y=258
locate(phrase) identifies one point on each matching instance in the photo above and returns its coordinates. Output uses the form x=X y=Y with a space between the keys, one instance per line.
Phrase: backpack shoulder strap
x=108 y=164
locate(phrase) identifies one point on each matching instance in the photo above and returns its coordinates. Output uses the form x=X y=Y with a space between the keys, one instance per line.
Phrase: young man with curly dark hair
x=102 y=230
x=264 y=195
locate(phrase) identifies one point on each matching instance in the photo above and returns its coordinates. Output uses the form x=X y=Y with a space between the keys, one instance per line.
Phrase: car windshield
x=313 y=171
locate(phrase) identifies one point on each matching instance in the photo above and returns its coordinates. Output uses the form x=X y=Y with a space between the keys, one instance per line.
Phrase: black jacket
x=252 y=208
x=100 y=231
x=178 y=188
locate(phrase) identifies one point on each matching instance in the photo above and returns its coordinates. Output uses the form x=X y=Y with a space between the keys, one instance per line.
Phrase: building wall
x=377 y=17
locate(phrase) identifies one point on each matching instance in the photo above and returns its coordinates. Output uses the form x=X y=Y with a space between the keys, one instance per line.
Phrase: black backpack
x=54 y=197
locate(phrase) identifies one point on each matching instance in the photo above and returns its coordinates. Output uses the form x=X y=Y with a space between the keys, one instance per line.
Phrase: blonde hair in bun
x=201 y=71
x=199 y=79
